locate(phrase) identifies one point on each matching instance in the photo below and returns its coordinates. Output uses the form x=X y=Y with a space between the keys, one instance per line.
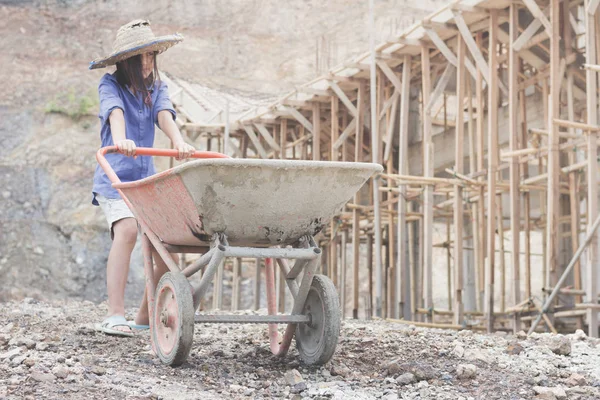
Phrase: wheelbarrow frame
x=305 y=252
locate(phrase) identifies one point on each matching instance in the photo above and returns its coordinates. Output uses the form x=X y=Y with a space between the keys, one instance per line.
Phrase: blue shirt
x=139 y=127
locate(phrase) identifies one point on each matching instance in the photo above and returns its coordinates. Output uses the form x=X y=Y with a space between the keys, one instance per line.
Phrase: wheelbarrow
x=222 y=207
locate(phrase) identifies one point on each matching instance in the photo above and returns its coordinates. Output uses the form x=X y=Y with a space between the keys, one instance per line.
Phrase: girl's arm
x=117 y=129
x=168 y=126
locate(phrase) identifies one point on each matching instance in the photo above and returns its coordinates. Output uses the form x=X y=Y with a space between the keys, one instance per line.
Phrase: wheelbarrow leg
x=150 y=282
x=276 y=348
x=207 y=276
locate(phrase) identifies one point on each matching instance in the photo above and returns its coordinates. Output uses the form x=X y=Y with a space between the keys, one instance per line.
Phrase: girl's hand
x=126 y=147
x=185 y=150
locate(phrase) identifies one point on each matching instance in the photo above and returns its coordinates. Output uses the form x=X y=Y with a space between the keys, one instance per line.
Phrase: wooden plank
x=388 y=103
x=389 y=141
x=300 y=118
x=283 y=138
x=342 y=96
x=475 y=50
x=441 y=86
x=347 y=131
x=316 y=141
x=335 y=129
x=264 y=132
x=513 y=117
x=537 y=13
x=592 y=172
x=492 y=169
x=445 y=50
x=261 y=151
x=403 y=133
x=387 y=71
x=592 y=7
x=458 y=216
x=528 y=33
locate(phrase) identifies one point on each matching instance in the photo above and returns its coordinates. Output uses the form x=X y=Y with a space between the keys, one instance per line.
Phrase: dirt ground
x=50 y=351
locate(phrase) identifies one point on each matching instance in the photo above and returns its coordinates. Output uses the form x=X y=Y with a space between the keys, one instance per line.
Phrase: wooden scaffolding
x=484 y=110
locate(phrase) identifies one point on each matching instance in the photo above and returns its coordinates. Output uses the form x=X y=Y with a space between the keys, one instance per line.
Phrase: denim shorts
x=114 y=210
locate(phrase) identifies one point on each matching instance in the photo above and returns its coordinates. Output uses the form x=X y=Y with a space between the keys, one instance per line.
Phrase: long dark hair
x=129 y=73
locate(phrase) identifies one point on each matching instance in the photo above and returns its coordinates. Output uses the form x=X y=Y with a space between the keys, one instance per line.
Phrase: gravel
x=50 y=350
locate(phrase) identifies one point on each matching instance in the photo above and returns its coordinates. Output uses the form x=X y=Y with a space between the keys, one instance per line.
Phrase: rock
x=42 y=377
x=541 y=380
x=394 y=367
x=465 y=333
x=466 y=371
x=577 y=380
x=579 y=335
x=29 y=362
x=223 y=330
x=558 y=392
x=514 y=349
x=9 y=355
x=406 y=379
x=42 y=346
x=458 y=351
x=22 y=341
x=521 y=335
x=60 y=372
x=560 y=345
x=236 y=388
x=293 y=377
x=299 y=387
x=97 y=370
x=340 y=370
x=17 y=360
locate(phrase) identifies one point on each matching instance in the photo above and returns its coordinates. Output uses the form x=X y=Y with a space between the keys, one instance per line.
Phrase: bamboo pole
x=333 y=267
x=553 y=197
x=526 y=196
x=480 y=166
x=592 y=172
x=392 y=297
x=343 y=270
x=402 y=270
x=492 y=166
x=360 y=106
x=375 y=158
x=472 y=288
x=458 y=193
x=427 y=276
x=546 y=307
x=515 y=216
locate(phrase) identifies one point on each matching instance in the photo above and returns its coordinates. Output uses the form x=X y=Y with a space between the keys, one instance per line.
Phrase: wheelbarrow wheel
x=173 y=322
x=316 y=341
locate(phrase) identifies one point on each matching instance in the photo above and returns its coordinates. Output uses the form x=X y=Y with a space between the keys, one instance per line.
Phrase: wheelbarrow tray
x=256 y=203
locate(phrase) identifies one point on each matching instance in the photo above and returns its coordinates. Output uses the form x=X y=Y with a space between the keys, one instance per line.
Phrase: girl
x=132 y=101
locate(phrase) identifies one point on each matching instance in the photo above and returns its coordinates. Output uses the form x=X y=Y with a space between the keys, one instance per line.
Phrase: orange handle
x=146 y=151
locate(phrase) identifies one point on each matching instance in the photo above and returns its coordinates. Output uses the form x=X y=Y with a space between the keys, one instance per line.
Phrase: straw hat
x=135 y=38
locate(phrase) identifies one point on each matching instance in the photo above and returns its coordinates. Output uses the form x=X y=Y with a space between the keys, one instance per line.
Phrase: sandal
x=109 y=324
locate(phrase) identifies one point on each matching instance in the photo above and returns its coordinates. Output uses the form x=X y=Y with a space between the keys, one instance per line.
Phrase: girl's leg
x=160 y=268
x=117 y=269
